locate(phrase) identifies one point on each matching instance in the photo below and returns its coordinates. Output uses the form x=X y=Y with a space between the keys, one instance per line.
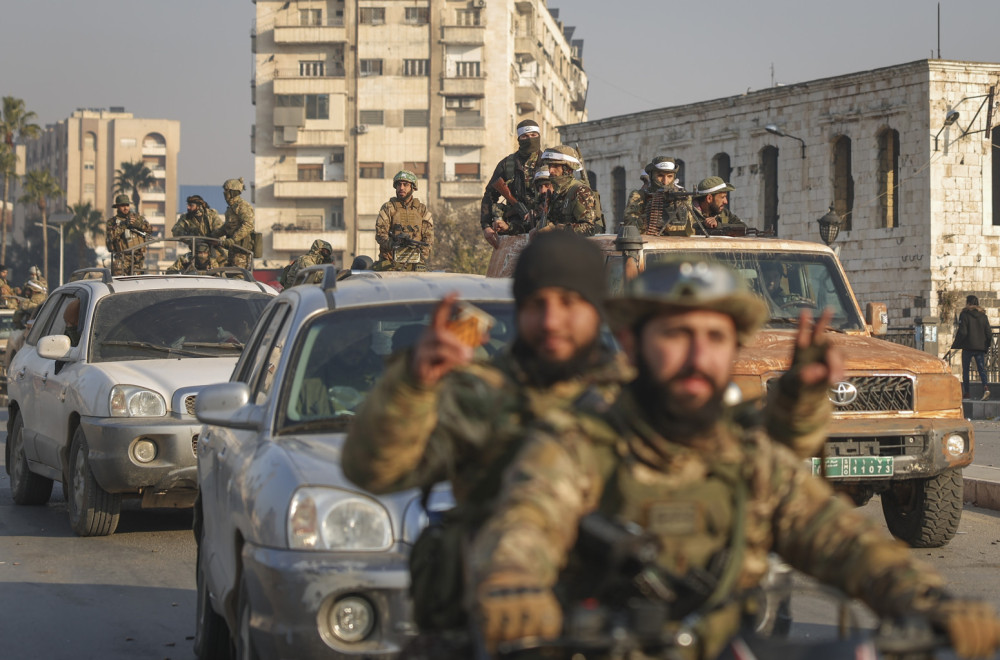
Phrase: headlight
x=133 y=401
x=331 y=519
x=955 y=444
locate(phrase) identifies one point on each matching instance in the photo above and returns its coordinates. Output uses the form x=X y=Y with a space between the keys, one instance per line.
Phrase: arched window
x=721 y=166
x=888 y=177
x=769 y=187
x=154 y=140
x=89 y=141
x=619 y=193
x=843 y=181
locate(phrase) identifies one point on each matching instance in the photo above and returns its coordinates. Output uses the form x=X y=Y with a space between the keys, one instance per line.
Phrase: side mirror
x=877 y=318
x=228 y=405
x=54 y=347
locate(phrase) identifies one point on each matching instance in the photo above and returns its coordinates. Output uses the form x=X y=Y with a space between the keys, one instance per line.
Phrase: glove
x=511 y=607
x=972 y=626
x=226 y=243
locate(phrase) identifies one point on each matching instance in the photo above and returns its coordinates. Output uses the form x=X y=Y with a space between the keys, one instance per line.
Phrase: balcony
x=463 y=86
x=463 y=34
x=154 y=150
x=463 y=129
x=526 y=46
x=526 y=97
x=292 y=83
x=310 y=189
x=158 y=172
x=154 y=196
x=297 y=241
x=310 y=34
x=460 y=189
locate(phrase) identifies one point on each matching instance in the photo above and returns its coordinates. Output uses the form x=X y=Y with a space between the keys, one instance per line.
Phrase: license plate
x=855 y=467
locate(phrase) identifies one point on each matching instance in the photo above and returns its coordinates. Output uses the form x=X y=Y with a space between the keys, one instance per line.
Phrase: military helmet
x=34 y=270
x=122 y=199
x=202 y=247
x=713 y=185
x=562 y=155
x=663 y=163
x=685 y=286
x=541 y=175
x=319 y=245
x=405 y=175
x=234 y=184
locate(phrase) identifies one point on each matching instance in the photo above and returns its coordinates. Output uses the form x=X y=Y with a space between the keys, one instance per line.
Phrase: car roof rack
x=83 y=274
x=323 y=274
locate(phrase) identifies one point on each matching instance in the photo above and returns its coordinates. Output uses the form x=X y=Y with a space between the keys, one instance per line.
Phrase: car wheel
x=211 y=635
x=93 y=511
x=26 y=487
x=244 y=640
x=925 y=512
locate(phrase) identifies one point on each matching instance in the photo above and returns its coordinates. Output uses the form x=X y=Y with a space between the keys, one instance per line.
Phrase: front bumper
x=917 y=445
x=291 y=590
x=111 y=440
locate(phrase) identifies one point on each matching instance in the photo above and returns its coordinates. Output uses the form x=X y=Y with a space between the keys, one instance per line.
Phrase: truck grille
x=189 y=404
x=875 y=394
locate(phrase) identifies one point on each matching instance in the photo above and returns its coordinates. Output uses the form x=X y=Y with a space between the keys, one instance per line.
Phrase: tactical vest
x=409 y=219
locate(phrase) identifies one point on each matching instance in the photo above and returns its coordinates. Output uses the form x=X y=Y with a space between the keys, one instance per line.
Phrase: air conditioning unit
x=361 y=128
x=478 y=3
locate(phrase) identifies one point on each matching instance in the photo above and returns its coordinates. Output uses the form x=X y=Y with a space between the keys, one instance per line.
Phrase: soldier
x=126 y=229
x=711 y=204
x=237 y=231
x=716 y=495
x=35 y=291
x=200 y=220
x=401 y=220
x=516 y=171
x=7 y=298
x=573 y=205
x=664 y=208
x=542 y=185
x=201 y=261
x=321 y=252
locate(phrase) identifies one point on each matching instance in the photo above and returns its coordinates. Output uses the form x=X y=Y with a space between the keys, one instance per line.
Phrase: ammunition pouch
x=436 y=580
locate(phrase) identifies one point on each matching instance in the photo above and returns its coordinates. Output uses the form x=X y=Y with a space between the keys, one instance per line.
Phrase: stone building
x=349 y=92
x=914 y=189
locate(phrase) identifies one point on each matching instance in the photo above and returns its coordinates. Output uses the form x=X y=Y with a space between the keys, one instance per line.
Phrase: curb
x=982 y=486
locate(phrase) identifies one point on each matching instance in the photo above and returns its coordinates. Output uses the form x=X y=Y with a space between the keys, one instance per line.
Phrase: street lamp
x=58 y=219
x=774 y=130
x=949 y=119
x=829 y=226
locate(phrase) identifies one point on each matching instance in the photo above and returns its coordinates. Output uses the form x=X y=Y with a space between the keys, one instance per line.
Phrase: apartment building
x=83 y=152
x=348 y=92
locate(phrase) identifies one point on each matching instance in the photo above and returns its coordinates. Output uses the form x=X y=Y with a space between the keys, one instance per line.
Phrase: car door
x=223 y=453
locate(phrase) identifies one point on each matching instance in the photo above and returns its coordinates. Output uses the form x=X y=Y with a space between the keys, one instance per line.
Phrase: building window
x=371 y=117
x=619 y=193
x=888 y=177
x=843 y=181
x=335 y=167
x=317 y=106
x=89 y=165
x=417 y=16
x=371 y=15
x=416 y=118
x=371 y=170
x=309 y=221
x=461 y=103
x=310 y=17
x=336 y=215
x=769 y=187
x=89 y=141
x=466 y=69
x=722 y=166
x=467 y=171
x=153 y=140
x=127 y=142
x=420 y=169
x=467 y=17
x=311 y=172
x=995 y=164
x=416 y=67
x=370 y=67
x=88 y=187
x=311 y=68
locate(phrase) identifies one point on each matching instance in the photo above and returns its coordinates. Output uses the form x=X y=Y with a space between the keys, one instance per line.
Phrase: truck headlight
x=331 y=519
x=133 y=401
x=955 y=444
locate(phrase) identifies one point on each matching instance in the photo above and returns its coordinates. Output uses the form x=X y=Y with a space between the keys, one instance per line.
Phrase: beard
x=669 y=417
x=544 y=373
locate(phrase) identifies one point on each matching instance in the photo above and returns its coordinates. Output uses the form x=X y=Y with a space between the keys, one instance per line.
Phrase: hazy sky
x=190 y=59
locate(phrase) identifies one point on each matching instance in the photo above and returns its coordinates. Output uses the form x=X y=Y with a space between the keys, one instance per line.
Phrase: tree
x=8 y=170
x=459 y=246
x=15 y=124
x=87 y=222
x=130 y=178
x=39 y=187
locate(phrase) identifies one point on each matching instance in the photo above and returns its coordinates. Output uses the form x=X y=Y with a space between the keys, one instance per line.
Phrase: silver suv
x=294 y=561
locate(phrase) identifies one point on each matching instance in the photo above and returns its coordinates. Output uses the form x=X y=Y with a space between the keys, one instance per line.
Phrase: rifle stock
x=501 y=187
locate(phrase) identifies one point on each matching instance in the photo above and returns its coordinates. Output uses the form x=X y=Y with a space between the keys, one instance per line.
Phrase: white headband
x=564 y=158
x=713 y=189
x=528 y=129
x=541 y=174
x=666 y=165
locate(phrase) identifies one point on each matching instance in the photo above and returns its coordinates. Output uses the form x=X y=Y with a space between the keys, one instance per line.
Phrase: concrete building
x=349 y=92
x=83 y=152
x=915 y=191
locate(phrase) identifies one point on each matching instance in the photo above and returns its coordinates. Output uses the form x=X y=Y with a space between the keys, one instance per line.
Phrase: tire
x=93 y=511
x=242 y=640
x=925 y=512
x=26 y=487
x=211 y=636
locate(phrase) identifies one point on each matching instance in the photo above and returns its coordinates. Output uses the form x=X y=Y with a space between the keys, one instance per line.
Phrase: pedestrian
x=974 y=337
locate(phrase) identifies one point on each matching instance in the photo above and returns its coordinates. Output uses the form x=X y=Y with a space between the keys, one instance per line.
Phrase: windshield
x=174 y=323
x=787 y=281
x=340 y=355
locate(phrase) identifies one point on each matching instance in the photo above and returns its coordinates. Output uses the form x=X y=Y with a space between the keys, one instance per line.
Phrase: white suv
x=102 y=393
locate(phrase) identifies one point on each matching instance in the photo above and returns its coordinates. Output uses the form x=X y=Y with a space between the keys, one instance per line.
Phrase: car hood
x=169 y=374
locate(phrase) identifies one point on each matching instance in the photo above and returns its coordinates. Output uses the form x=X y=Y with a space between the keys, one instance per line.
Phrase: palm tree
x=39 y=187
x=87 y=222
x=8 y=170
x=15 y=123
x=130 y=178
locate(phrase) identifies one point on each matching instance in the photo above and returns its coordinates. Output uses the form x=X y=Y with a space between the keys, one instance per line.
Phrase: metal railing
x=908 y=337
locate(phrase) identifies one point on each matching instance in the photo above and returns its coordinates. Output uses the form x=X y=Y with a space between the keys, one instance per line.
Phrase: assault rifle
x=501 y=187
x=406 y=249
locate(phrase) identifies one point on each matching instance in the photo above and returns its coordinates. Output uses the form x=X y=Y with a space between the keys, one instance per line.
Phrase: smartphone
x=471 y=324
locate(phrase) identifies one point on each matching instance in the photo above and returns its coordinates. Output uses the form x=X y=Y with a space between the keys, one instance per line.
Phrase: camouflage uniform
x=7 y=299
x=203 y=223
x=574 y=206
x=238 y=228
x=517 y=171
x=35 y=291
x=725 y=217
x=605 y=456
x=187 y=263
x=314 y=257
x=411 y=218
x=678 y=214
x=120 y=236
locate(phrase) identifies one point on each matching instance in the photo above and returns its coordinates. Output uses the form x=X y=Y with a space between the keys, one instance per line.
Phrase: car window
x=272 y=345
x=339 y=355
x=67 y=319
x=6 y=326
x=253 y=355
x=173 y=323
x=43 y=319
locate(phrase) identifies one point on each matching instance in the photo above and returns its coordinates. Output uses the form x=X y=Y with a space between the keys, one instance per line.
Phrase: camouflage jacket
x=574 y=206
x=678 y=214
x=302 y=261
x=7 y=298
x=119 y=235
x=518 y=174
x=725 y=217
x=407 y=436
x=238 y=225
x=411 y=218
x=192 y=225
x=187 y=264
x=604 y=456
